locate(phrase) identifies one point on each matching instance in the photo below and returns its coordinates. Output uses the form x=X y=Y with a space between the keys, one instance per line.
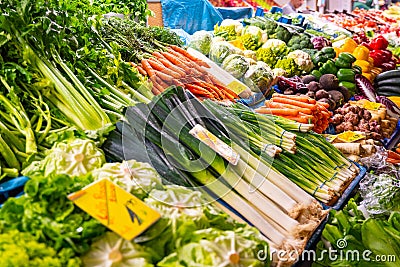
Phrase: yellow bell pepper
x=361 y=52
x=365 y=65
x=376 y=70
x=349 y=45
x=371 y=61
x=395 y=99
x=338 y=50
x=368 y=75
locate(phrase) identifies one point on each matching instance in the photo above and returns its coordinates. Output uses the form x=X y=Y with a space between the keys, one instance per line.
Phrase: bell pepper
x=378 y=57
x=365 y=65
x=379 y=43
x=368 y=76
x=391 y=65
x=328 y=67
x=316 y=73
x=345 y=60
x=361 y=52
x=349 y=45
x=323 y=55
x=349 y=85
x=346 y=75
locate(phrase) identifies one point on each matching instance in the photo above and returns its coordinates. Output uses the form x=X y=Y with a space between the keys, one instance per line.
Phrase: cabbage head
x=236 y=65
x=201 y=41
x=259 y=77
x=220 y=50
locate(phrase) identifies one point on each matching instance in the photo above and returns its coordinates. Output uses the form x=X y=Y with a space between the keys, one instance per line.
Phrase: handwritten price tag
x=215 y=144
x=372 y=105
x=117 y=209
x=350 y=136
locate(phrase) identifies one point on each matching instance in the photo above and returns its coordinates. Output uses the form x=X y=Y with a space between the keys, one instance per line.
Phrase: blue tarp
x=235 y=12
x=190 y=15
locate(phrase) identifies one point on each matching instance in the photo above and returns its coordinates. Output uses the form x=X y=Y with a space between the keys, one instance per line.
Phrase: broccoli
x=294 y=40
x=282 y=33
x=289 y=65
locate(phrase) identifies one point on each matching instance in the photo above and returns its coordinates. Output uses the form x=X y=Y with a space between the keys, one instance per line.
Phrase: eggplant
x=389 y=89
x=390 y=82
x=388 y=75
x=392 y=109
x=365 y=87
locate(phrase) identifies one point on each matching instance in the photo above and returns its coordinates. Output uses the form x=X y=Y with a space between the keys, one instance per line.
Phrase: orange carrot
x=141 y=70
x=293 y=102
x=304 y=99
x=323 y=104
x=300 y=119
x=173 y=67
x=162 y=83
x=173 y=59
x=158 y=55
x=178 y=55
x=278 y=111
x=212 y=89
x=188 y=55
x=300 y=109
x=198 y=90
x=147 y=67
x=157 y=65
x=163 y=76
x=227 y=91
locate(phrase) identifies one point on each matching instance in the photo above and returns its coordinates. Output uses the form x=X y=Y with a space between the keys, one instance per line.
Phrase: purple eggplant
x=392 y=109
x=365 y=87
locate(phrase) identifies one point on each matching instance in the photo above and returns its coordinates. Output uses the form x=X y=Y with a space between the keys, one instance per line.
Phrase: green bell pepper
x=328 y=67
x=357 y=69
x=328 y=50
x=348 y=57
x=345 y=60
x=316 y=74
x=346 y=75
x=350 y=86
x=319 y=58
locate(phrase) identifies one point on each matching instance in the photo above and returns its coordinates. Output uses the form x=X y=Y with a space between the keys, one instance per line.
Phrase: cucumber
x=388 y=75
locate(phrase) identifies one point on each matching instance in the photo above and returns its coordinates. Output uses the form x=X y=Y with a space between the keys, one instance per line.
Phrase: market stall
x=265 y=140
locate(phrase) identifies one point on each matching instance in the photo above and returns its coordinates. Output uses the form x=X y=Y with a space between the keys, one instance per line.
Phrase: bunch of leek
x=282 y=211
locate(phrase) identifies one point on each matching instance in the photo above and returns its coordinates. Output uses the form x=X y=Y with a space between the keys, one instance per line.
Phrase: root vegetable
x=349 y=148
x=368 y=149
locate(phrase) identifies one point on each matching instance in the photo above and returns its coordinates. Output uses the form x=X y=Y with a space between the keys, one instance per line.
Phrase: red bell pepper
x=378 y=57
x=379 y=43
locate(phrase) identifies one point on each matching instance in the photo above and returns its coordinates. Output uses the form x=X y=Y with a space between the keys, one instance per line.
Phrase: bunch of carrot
x=298 y=108
x=178 y=67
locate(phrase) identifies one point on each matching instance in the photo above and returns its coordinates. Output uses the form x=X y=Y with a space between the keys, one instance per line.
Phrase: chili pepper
x=328 y=67
x=379 y=43
x=361 y=52
x=346 y=75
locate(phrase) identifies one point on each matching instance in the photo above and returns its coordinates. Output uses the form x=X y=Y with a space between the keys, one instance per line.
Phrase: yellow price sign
x=117 y=209
x=236 y=86
x=350 y=136
x=330 y=137
x=372 y=105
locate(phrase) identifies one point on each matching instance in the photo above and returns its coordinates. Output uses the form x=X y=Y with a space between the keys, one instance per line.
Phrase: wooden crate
x=156 y=20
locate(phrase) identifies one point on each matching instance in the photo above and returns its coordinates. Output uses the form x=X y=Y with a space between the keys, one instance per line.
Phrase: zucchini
x=388 y=75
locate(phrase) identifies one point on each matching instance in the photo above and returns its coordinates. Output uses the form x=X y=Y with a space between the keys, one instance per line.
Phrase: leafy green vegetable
x=219 y=50
x=46 y=213
x=72 y=157
x=23 y=249
x=135 y=177
x=113 y=251
x=259 y=77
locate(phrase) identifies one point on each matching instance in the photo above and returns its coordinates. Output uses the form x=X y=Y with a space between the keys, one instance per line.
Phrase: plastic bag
x=190 y=15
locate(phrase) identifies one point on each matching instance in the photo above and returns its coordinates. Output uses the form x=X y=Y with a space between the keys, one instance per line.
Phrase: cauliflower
x=201 y=41
x=250 y=54
x=251 y=37
x=236 y=65
x=302 y=59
